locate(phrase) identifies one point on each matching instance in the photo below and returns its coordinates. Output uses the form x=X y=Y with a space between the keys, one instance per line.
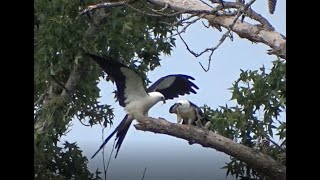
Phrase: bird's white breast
x=140 y=106
x=186 y=114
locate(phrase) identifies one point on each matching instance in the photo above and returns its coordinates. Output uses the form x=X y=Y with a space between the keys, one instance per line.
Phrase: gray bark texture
x=207 y=138
x=256 y=33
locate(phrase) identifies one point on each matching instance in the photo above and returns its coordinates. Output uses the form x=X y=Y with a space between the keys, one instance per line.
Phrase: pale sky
x=168 y=157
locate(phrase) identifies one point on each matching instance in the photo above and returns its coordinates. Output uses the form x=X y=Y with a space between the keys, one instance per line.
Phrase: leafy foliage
x=261 y=98
x=65 y=163
x=59 y=36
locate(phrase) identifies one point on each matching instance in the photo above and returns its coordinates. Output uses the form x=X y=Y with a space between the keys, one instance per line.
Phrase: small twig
x=218 y=1
x=196 y=54
x=143 y=12
x=64 y=87
x=83 y=123
x=144 y=172
x=42 y=96
x=168 y=15
x=59 y=83
x=206 y=3
x=185 y=27
x=158 y=12
x=109 y=160
x=222 y=39
x=68 y=125
x=209 y=63
x=283 y=143
x=207 y=26
x=162 y=9
x=277 y=145
x=250 y=3
x=106 y=5
x=182 y=20
x=104 y=164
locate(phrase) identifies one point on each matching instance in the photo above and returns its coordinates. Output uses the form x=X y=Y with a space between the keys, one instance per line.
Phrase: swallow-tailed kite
x=135 y=97
x=189 y=113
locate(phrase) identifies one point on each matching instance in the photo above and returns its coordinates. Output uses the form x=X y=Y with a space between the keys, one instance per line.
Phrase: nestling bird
x=189 y=113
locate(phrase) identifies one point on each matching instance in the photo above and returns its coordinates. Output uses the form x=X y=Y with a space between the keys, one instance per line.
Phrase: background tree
x=136 y=33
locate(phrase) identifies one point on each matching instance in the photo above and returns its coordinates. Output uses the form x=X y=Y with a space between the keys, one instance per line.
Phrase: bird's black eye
x=179 y=104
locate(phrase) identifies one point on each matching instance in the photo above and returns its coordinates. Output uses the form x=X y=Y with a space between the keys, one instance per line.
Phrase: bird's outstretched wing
x=129 y=83
x=173 y=85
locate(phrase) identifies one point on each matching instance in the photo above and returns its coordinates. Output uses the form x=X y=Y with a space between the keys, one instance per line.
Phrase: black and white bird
x=135 y=97
x=189 y=113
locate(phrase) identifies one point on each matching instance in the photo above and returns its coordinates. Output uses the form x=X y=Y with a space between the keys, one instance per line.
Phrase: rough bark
x=254 y=33
x=206 y=138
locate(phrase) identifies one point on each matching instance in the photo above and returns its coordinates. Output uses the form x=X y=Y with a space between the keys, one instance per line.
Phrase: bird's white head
x=158 y=97
x=183 y=104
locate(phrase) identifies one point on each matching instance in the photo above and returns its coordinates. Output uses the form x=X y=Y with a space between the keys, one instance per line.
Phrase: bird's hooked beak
x=171 y=109
x=163 y=100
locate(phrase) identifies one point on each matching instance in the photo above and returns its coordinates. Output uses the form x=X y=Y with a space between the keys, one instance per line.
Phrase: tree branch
x=250 y=13
x=41 y=98
x=263 y=33
x=106 y=5
x=254 y=33
x=206 y=138
x=274 y=143
x=222 y=39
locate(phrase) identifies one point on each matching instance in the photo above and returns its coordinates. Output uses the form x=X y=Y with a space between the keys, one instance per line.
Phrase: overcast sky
x=167 y=157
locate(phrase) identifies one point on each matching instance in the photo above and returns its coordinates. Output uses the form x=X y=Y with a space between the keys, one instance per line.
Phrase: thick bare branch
x=206 y=138
x=254 y=33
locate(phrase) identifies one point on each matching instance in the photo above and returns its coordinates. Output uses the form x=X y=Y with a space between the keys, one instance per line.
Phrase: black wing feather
x=112 y=68
x=180 y=86
x=197 y=108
